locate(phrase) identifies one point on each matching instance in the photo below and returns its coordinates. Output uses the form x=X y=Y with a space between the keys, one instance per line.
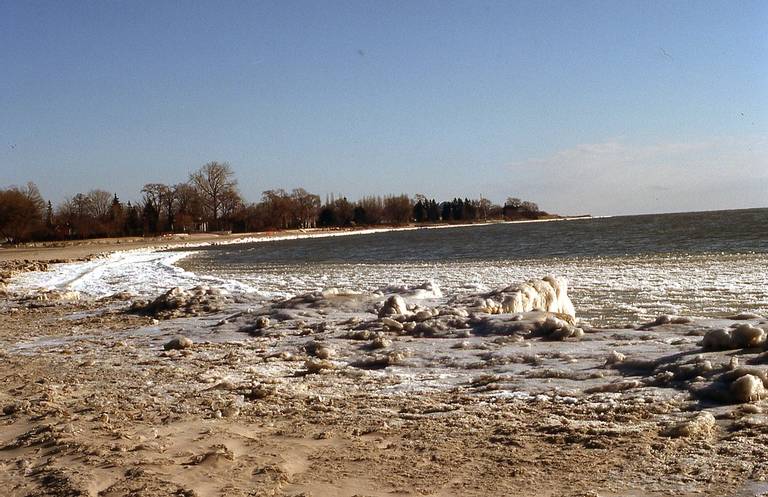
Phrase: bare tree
x=231 y=202
x=370 y=210
x=33 y=195
x=306 y=206
x=277 y=207
x=168 y=203
x=214 y=181
x=530 y=207
x=484 y=208
x=154 y=195
x=99 y=203
x=188 y=210
x=397 y=209
x=21 y=212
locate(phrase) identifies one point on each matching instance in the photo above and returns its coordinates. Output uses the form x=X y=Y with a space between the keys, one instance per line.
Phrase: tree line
x=209 y=201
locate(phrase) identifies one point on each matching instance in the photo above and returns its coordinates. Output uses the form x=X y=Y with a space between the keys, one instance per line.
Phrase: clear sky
x=605 y=107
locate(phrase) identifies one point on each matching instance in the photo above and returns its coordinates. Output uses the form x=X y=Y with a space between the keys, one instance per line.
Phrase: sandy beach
x=320 y=395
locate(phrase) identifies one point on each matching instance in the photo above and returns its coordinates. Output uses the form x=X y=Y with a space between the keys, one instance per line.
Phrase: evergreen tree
x=359 y=215
x=49 y=215
x=447 y=213
x=132 y=221
x=433 y=211
x=116 y=209
x=151 y=217
x=327 y=217
x=420 y=212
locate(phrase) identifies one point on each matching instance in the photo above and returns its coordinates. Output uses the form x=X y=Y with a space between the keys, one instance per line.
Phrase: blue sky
x=606 y=107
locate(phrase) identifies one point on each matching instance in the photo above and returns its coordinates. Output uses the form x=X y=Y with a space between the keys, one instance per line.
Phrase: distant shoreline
x=74 y=250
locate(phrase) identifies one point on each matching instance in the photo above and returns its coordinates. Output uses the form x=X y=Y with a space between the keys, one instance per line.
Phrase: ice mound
x=536 y=308
x=527 y=325
x=740 y=336
x=177 y=302
x=549 y=294
x=748 y=388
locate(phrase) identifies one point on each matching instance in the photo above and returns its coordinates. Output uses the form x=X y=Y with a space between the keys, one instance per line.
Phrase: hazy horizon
x=583 y=107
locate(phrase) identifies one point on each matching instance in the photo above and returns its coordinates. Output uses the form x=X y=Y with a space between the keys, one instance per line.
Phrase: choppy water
x=622 y=270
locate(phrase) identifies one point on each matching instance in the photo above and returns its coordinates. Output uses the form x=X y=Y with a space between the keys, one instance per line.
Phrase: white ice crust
x=140 y=272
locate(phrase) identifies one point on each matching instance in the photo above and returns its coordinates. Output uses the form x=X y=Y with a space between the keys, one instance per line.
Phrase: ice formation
x=748 y=388
x=549 y=294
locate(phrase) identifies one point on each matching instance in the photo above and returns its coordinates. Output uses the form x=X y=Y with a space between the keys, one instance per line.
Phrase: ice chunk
x=549 y=294
x=395 y=304
x=748 y=388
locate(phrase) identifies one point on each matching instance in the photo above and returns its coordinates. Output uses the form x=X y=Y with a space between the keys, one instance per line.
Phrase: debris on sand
x=614 y=358
x=319 y=350
x=554 y=328
x=666 y=319
x=380 y=361
x=380 y=342
x=178 y=343
x=747 y=336
x=546 y=325
x=392 y=324
x=177 y=302
x=56 y=295
x=315 y=366
x=743 y=316
x=719 y=339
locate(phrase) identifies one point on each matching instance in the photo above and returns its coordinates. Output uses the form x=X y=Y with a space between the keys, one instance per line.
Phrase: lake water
x=621 y=270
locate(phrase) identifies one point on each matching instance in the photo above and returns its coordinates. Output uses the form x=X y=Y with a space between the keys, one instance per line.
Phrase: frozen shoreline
x=607 y=291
